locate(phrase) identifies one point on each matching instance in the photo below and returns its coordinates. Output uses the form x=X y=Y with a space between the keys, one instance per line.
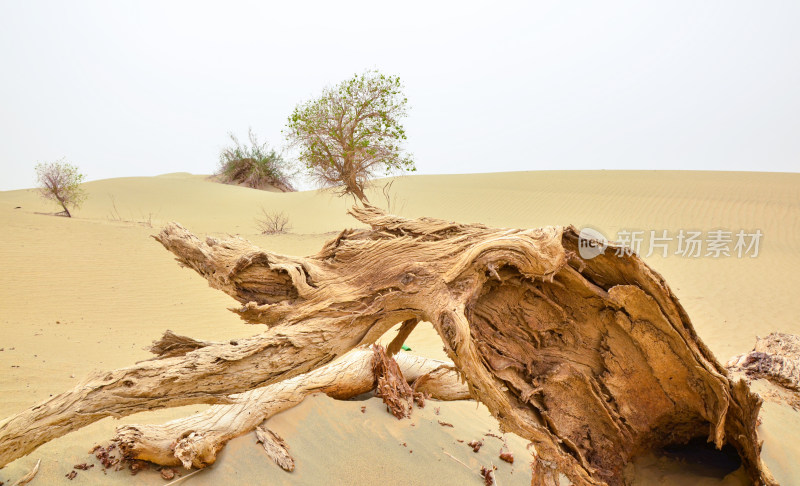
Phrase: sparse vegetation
x=61 y=182
x=272 y=223
x=393 y=205
x=115 y=215
x=254 y=165
x=352 y=132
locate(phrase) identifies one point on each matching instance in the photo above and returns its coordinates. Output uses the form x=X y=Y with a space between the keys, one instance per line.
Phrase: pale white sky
x=144 y=88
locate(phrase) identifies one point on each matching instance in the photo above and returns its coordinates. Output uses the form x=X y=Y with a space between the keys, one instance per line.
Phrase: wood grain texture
x=196 y=440
x=595 y=361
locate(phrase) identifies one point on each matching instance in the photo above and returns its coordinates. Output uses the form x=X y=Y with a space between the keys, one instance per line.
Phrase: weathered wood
x=27 y=478
x=276 y=448
x=196 y=440
x=205 y=375
x=593 y=360
x=775 y=357
x=172 y=344
x=391 y=385
x=403 y=332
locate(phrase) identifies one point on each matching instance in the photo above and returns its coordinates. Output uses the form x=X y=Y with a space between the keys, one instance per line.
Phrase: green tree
x=352 y=132
x=60 y=182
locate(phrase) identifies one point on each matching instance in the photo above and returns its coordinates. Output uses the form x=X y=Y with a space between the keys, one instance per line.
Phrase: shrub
x=255 y=166
x=273 y=223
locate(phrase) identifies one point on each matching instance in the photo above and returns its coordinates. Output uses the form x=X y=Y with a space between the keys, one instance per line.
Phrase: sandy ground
x=91 y=292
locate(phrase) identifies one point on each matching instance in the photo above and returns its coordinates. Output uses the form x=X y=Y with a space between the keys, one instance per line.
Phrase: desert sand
x=91 y=292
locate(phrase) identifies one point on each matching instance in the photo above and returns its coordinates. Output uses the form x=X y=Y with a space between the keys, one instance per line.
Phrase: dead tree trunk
x=194 y=441
x=594 y=361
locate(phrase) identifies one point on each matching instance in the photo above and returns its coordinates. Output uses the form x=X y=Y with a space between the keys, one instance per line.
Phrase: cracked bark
x=594 y=361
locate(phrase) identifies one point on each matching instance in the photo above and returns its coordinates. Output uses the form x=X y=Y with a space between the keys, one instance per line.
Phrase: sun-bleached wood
x=196 y=440
x=593 y=360
x=276 y=448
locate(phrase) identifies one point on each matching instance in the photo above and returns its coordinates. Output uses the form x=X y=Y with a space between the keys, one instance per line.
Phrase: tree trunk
x=357 y=189
x=66 y=211
x=593 y=360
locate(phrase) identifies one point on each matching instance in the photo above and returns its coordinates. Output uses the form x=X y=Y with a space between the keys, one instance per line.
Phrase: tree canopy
x=352 y=132
x=60 y=182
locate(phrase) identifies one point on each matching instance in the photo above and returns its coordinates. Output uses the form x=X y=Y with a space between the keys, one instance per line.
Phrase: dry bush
x=256 y=166
x=114 y=215
x=272 y=223
x=393 y=204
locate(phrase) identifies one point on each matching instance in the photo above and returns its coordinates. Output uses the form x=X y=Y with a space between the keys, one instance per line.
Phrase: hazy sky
x=144 y=88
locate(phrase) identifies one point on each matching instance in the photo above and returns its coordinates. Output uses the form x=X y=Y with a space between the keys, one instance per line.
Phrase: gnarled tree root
x=196 y=440
x=593 y=360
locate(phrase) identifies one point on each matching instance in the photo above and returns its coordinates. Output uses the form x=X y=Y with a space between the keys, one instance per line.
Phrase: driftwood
x=775 y=358
x=593 y=360
x=276 y=448
x=29 y=476
x=196 y=440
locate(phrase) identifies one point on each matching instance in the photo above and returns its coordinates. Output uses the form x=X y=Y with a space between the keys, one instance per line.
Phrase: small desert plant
x=255 y=166
x=61 y=182
x=271 y=223
x=115 y=215
x=393 y=206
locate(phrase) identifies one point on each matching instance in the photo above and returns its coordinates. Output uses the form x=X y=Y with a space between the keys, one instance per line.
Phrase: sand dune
x=91 y=292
